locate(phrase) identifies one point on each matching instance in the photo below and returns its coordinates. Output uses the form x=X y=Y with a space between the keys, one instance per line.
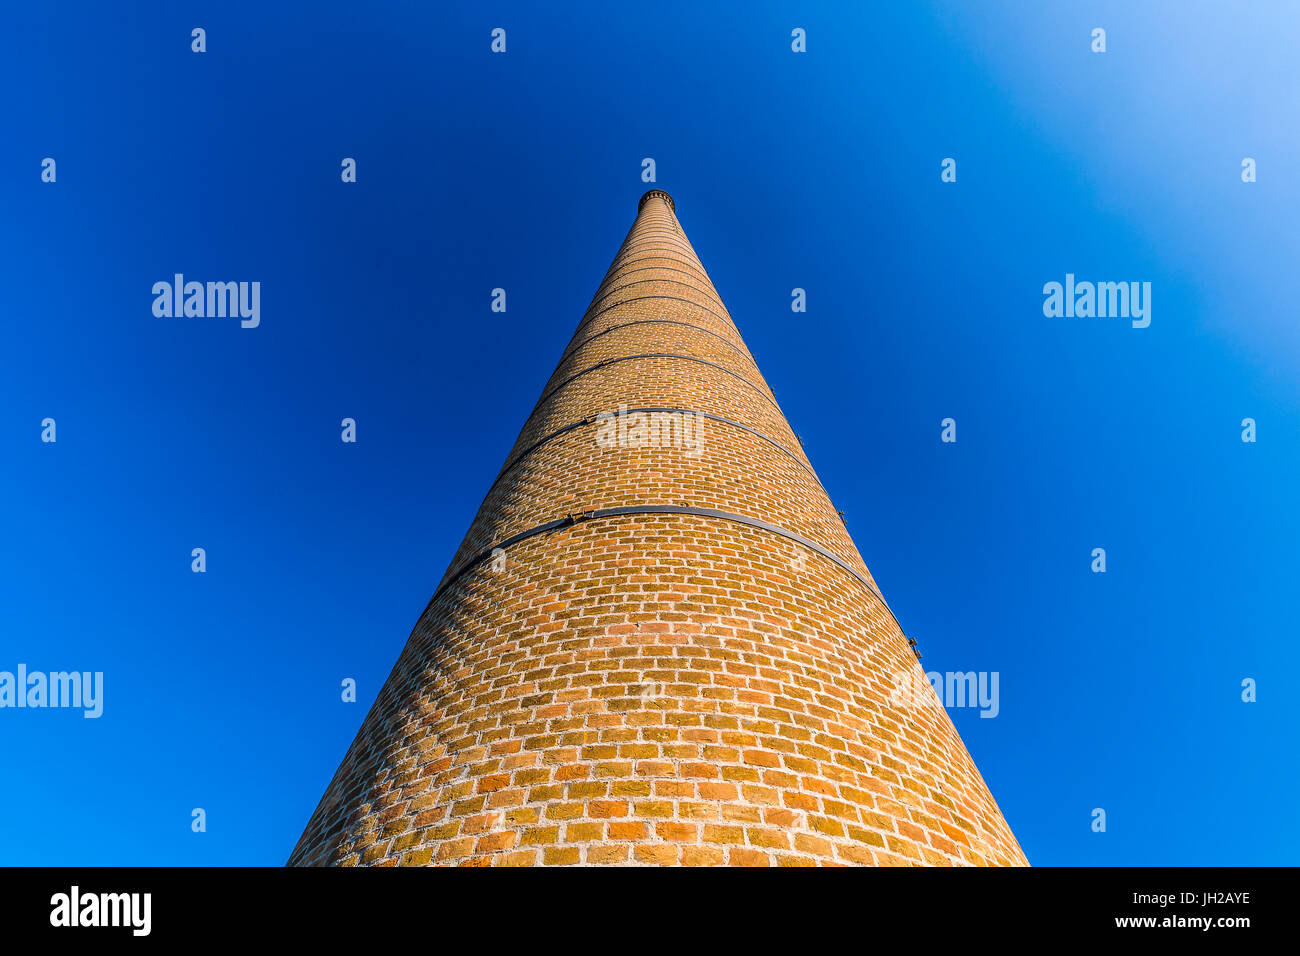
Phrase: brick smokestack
x=657 y=643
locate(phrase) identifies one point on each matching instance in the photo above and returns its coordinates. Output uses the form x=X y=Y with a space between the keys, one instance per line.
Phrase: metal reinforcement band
x=577 y=517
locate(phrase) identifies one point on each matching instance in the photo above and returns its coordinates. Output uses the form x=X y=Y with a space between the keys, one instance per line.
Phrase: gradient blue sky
x=819 y=170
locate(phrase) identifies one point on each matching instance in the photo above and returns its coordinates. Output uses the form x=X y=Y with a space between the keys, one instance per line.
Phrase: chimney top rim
x=660 y=194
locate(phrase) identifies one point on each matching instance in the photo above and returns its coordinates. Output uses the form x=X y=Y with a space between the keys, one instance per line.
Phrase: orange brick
x=702 y=856
x=607 y=854
x=560 y=856
x=656 y=853
x=607 y=808
x=494 y=842
x=675 y=831
x=627 y=830
x=712 y=833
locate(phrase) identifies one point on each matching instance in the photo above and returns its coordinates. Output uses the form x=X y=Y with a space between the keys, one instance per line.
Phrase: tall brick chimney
x=657 y=643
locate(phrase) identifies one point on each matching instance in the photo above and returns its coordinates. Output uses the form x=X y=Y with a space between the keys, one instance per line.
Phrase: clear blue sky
x=522 y=170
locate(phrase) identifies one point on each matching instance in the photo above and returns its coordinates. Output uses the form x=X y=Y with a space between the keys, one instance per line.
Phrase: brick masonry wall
x=657 y=688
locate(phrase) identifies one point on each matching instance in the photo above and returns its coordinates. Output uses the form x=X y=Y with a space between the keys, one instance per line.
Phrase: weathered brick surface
x=656 y=689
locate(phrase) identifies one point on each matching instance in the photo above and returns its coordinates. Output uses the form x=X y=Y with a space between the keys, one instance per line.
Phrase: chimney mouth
x=657 y=194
